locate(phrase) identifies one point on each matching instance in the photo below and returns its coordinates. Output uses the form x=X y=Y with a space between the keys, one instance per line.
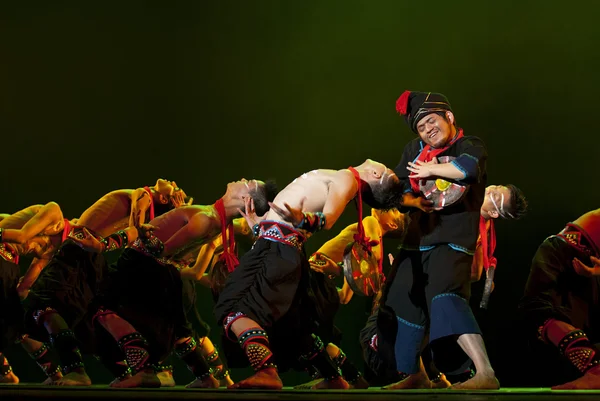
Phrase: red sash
x=228 y=256
x=360 y=236
x=151 y=203
x=488 y=245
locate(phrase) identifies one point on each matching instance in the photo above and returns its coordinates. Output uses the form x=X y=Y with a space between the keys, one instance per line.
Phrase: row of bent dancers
x=276 y=305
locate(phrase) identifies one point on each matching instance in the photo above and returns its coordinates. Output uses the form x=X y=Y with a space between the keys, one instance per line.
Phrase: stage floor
x=33 y=392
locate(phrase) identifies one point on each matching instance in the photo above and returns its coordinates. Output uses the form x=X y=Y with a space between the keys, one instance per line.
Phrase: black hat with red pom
x=413 y=106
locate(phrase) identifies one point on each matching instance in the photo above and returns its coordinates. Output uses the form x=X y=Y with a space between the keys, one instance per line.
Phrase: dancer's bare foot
x=267 y=379
x=166 y=378
x=589 y=381
x=414 y=381
x=144 y=378
x=481 y=381
x=74 y=378
x=119 y=380
x=10 y=378
x=53 y=378
x=441 y=382
x=337 y=383
x=359 y=383
x=207 y=382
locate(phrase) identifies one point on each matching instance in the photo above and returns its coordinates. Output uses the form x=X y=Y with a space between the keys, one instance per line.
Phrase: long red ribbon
x=151 y=203
x=488 y=245
x=66 y=230
x=360 y=236
x=228 y=256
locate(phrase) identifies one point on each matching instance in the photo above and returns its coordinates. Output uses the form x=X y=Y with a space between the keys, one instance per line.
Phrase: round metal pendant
x=441 y=192
x=361 y=270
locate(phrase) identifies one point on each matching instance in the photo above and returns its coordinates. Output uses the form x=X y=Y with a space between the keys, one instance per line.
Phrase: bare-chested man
x=268 y=289
x=36 y=231
x=11 y=310
x=61 y=298
x=195 y=272
x=37 y=220
x=209 y=259
x=145 y=289
x=560 y=304
x=501 y=201
x=124 y=208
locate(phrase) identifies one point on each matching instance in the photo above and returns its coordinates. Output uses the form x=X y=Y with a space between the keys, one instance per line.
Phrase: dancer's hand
x=250 y=212
x=421 y=169
x=86 y=240
x=391 y=258
x=411 y=200
x=145 y=230
x=324 y=264
x=587 y=271
x=290 y=214
x=178 y=196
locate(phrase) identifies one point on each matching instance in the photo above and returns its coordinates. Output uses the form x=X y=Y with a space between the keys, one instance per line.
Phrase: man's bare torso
x=19 y=219
x=109 y=214
x=202 y=225
x=313 y=187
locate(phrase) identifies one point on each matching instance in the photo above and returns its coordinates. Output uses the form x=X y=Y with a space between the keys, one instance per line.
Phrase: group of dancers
x=276 y=304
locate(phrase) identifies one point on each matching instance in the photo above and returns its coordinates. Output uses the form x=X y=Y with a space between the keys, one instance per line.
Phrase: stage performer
x=154 y=304
x=430 y=285
x=507 y=202
x=560 y=303
x=59 y=304
x=267 y=292
x=35 y=231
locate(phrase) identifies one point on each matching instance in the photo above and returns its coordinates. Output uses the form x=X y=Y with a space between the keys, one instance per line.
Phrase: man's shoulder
x=343 y=176
x=343 y=183
x=470 y=140
x=414 y=143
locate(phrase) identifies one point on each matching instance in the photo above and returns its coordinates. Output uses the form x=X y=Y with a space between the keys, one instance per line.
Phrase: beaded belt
x=578 y=239
x=281 y=232
x=8 y=253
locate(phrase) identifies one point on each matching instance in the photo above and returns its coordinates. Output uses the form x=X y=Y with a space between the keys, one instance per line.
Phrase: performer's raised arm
x=196 y=272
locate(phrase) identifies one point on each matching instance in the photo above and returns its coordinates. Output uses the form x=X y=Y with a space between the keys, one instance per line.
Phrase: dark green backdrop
x=96 y=96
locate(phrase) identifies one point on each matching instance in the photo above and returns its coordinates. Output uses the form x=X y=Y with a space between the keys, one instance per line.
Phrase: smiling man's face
x=435 y=130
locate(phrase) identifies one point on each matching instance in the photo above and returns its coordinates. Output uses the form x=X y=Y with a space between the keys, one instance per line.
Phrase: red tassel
x=230 y=260
x=228 y=257
x=402 y=103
